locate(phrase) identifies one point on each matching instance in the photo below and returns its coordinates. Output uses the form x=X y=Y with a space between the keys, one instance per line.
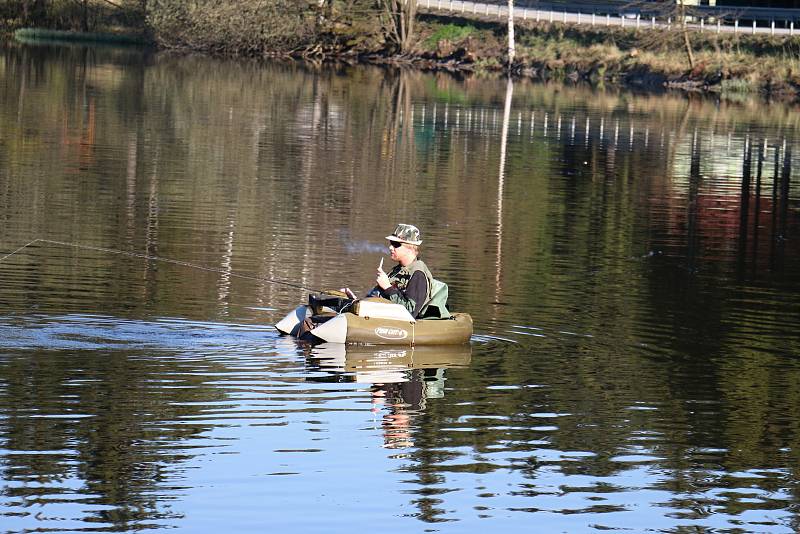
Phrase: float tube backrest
x=437 y=305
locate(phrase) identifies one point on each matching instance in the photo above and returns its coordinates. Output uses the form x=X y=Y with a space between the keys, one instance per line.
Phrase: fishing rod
x=158 y=258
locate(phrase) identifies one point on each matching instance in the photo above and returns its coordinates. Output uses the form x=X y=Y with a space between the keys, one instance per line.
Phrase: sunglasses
x=395 y=244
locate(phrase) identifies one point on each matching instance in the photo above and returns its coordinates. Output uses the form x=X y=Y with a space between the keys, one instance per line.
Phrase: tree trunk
x=687 y=43
x=400 y=16
x=512 y=52
x=85 y=16
x=409 y=13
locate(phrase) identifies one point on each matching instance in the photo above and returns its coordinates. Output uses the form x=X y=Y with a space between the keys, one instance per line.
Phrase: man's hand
x=348 y=292
x=383 y=280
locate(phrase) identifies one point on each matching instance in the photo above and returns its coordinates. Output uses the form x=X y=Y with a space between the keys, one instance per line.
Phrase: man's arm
x=413 y=297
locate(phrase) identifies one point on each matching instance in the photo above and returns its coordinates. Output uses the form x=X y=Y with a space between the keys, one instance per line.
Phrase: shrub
x=234 y=26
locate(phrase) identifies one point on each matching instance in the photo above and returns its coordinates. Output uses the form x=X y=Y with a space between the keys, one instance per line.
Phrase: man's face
x=395 y=249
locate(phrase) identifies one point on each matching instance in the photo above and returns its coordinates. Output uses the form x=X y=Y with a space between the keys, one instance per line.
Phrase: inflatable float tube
x=376 y=321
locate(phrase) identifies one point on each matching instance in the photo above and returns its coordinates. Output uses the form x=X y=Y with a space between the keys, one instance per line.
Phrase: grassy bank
x=358 y=31
x=723 y=63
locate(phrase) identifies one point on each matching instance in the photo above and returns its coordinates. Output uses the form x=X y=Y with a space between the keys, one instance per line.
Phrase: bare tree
x=84 y=5
x=400 y=16
x=512 y=52
x=32 y=11
x=676 y=13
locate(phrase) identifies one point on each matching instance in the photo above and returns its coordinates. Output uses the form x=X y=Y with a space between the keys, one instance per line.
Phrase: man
x=409 y=282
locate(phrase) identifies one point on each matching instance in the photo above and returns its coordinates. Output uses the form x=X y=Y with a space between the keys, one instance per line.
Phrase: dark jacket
x=411 y=287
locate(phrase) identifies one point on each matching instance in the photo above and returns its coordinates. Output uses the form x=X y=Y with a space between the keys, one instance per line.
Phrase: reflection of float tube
x=333 y=330
x=359 y=357
x=377 y=363
x=330 y=354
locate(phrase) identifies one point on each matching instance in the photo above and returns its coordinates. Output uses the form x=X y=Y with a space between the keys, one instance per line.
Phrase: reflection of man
x=402 y=401
x=396 y=422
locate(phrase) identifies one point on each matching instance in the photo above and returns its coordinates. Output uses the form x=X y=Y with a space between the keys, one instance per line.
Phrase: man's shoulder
x=419 y=265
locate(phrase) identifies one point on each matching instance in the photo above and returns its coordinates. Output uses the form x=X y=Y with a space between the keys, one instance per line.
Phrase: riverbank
x=641 y=58
x=723 y=63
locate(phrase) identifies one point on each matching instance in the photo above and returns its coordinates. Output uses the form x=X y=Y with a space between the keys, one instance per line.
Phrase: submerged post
x=744 y=199
x=762 y=149
x=785 y=178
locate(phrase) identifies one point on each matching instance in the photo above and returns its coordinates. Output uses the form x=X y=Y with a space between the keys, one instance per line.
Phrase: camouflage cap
x=406 y=233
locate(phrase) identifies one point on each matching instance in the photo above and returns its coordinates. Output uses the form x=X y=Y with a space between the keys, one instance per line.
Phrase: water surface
x=631 y=263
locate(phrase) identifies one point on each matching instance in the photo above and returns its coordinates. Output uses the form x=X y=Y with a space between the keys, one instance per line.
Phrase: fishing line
x=20 y=248
x=165 y=260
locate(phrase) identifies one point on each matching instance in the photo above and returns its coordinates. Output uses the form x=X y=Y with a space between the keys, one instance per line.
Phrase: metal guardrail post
x=791 y=29
x=565 y=16
x=638 y=20
x=608 y=19
x=702 y=25
x=592 y=19
x=772 y=28
x=653 y=22
x=538 y=15
x=579 y=17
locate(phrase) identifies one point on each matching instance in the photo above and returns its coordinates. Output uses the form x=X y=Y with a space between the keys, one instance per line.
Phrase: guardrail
x=602 y=15
x=627 y=7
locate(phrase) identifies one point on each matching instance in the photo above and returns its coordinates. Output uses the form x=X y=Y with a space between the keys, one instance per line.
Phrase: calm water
x=632 y=264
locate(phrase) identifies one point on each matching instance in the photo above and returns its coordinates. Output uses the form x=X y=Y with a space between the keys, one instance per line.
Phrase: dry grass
x=743 y=62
